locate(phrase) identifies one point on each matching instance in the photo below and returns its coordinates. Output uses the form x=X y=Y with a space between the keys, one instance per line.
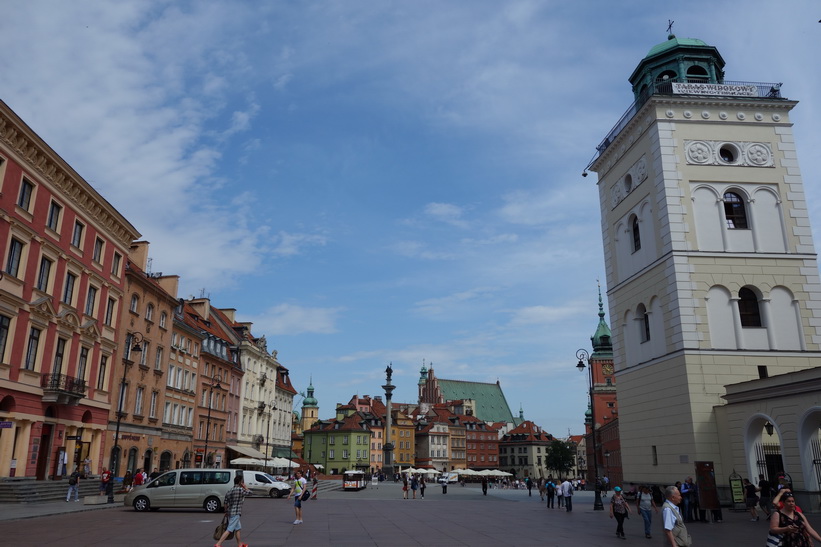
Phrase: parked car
x=204 y=488
x=263 y=484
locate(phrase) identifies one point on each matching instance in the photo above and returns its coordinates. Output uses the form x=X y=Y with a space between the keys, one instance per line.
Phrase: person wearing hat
x=620 y=509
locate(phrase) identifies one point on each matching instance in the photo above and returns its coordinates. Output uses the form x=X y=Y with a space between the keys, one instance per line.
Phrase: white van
x=204 y=488
x=263 y=484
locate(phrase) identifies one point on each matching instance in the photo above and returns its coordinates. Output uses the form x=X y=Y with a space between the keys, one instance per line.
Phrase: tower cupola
x=684 y=60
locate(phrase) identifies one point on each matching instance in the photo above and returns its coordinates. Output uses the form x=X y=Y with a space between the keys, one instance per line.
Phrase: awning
x=247 y=451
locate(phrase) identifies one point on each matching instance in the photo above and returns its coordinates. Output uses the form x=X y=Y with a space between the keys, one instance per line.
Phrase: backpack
x=551 y=489
x=72 y=480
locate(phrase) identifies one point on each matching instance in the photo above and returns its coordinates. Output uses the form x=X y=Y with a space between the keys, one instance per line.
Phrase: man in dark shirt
x=765 y=495
x=233 y=510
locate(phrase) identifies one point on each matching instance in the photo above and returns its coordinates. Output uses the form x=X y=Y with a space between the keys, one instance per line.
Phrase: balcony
x=693 y=87
x=62 y=389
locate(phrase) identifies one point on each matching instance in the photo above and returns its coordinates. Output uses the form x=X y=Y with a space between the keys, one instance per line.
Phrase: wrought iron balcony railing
x=63 y=384
x=690 y=87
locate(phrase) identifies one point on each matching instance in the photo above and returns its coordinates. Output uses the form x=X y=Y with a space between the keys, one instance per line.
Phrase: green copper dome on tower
x=423 y=374
x=310 y=400
x=682 y=60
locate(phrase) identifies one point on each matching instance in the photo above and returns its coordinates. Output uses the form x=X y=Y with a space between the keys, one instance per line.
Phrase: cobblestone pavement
x=370 y=517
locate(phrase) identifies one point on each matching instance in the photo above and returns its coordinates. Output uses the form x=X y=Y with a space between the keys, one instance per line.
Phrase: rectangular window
x=5 y=324
x=344 y=439
x=91 y=300
x=115 y=264
x=44 y=274
x=158 y=359
x=138 y=401
x=68 y=290
x=82 y=363
x=77 y=235
x=54 y=211
x=26 y=191
x=59 y=353
x=331 y=454
x=109 y=311
x=97 y=255
x=152 y=411
x=15 y=256
x=101 y=373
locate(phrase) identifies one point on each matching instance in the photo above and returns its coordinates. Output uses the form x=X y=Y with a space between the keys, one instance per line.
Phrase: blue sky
x=380 y=181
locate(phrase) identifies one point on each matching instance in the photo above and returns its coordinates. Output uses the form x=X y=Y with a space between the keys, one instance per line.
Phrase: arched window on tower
x=697 y=74
x=748 y=308
x=734 y=211
x=644 y=318
x=634 y=232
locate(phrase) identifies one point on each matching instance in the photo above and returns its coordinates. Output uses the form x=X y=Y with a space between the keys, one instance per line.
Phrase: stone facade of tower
x=711 y=270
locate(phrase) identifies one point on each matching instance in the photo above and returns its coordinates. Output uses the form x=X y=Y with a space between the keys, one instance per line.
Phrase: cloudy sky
x=380 y=181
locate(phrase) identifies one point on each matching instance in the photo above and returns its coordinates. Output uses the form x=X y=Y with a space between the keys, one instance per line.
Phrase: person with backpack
x=550 y=492
x=74 y=485
x=298 y=490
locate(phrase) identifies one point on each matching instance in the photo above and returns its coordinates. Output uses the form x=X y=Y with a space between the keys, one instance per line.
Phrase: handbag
x=774 y=540
x=306 y=495
x=220 y=529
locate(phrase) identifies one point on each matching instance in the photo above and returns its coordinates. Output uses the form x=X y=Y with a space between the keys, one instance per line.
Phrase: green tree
x=559 y=457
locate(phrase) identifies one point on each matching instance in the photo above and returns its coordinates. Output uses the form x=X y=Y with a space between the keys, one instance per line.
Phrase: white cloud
x=293 y=319
x=447 y=213
x=290 y=244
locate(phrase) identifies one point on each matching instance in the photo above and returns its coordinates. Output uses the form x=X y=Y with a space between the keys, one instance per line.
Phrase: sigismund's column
x=387 y=446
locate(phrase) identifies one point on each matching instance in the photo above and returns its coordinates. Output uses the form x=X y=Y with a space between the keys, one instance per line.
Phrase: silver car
x=204 y=488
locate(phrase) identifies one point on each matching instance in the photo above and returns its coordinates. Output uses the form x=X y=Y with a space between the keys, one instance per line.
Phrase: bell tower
x=711 y=268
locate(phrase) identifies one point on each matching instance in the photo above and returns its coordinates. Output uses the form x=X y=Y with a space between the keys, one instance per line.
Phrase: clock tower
x=604 y=383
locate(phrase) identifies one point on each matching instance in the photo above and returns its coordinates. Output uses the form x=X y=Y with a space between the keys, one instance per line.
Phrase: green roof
x=491 y=405
x=674 y=42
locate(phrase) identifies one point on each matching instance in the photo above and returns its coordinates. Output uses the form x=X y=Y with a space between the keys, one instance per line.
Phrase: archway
x=148 y=461
x=762 y=445
x=165 y=461
x=809 y=446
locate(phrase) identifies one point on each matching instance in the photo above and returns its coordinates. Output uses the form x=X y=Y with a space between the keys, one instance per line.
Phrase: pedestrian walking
x=74 y=485
x=550 y=493
x=751 y=497
x=404 y=487
x=620 y=509
x=300 y=484
x=559 y=493
x=233 y=511
x=128 y=480
x=86 y=468
x=567 y=493
x=422 y=487
x=414 y=485
x=529 y=484
x=645 y=506
x=675 y=531
x=484 y=486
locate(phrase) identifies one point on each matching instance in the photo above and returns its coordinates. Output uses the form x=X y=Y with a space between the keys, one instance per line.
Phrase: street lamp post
x=583 y=356
x=136 y=338
x=273 y=408
x=215 y=383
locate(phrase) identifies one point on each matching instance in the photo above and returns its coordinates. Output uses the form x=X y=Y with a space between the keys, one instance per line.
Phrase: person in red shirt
x=105 y=479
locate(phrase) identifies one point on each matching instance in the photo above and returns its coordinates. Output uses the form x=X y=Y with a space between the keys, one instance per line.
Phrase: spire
x=310 y=400
x=521 y=412
x=423 y=374
x=601 y=339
